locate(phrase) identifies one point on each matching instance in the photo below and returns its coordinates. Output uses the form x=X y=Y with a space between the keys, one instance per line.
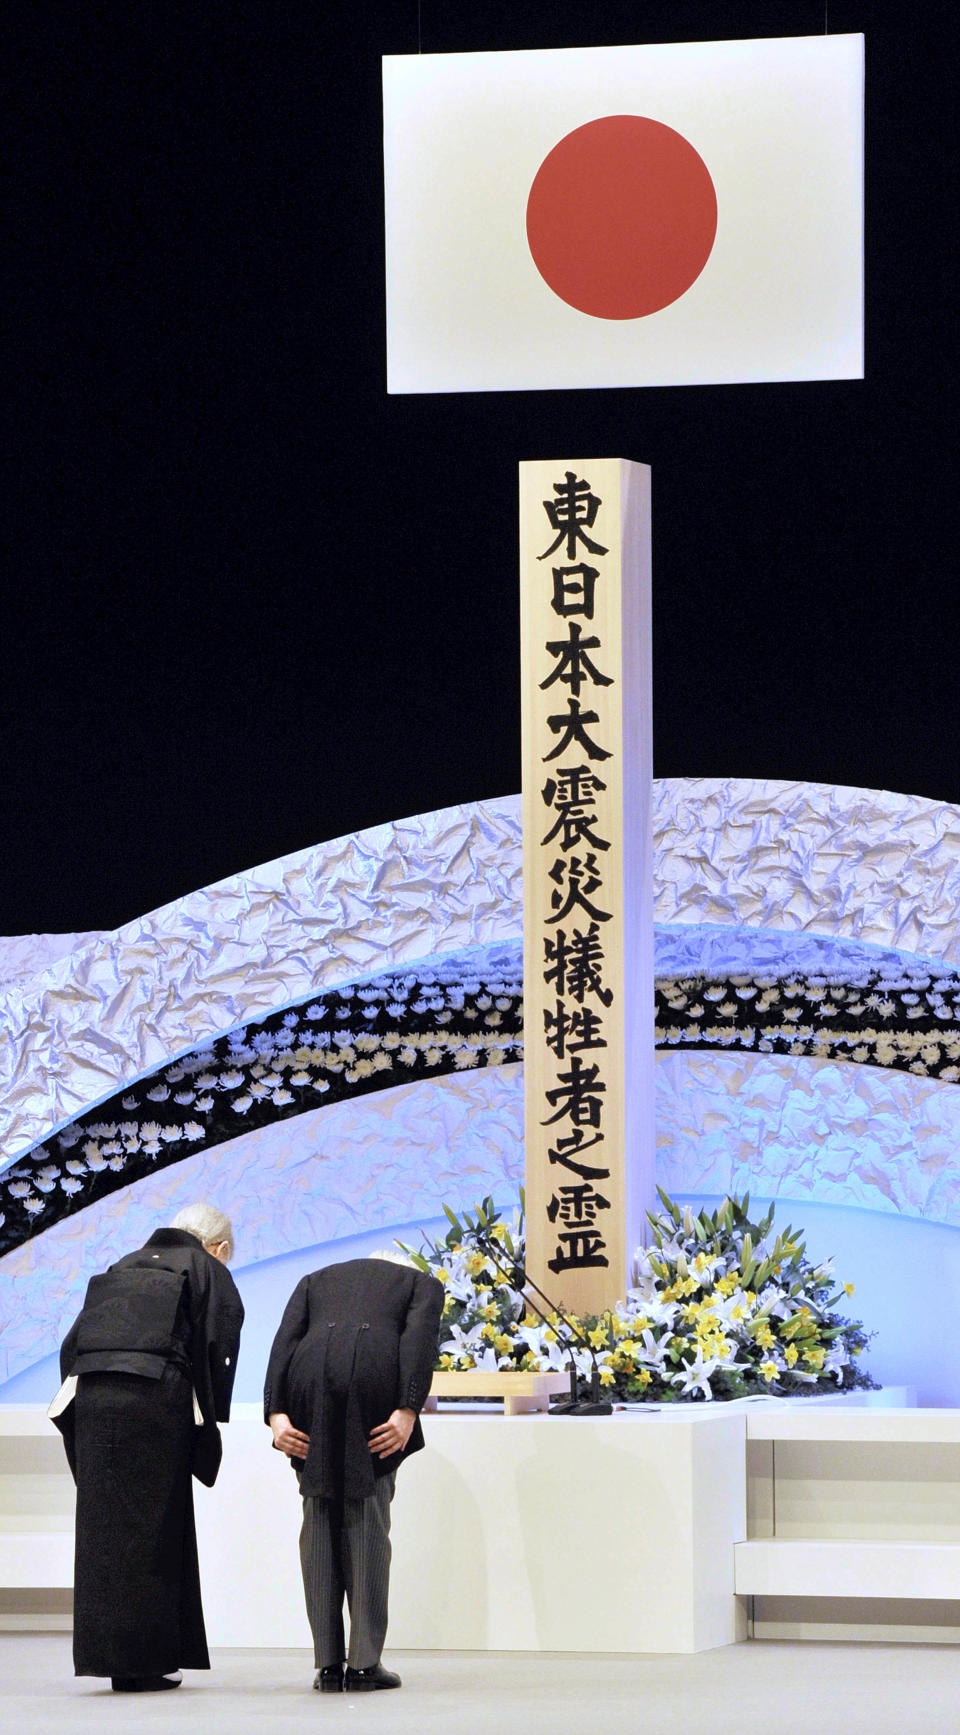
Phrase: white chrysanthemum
x=70 y=1184
x=34 y=1205
x=281 y=1097
x=174 y=1074
x=150 y=1130
x=203 y=1104
x=231 y=1080
x=170 y=1135
x=18 y=1189
x=241 y=1104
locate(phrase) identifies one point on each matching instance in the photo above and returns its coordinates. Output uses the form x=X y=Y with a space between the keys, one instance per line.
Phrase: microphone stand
x=595 y=1405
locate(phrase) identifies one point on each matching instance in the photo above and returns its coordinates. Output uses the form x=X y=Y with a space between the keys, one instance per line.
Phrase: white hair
x=207 y=1223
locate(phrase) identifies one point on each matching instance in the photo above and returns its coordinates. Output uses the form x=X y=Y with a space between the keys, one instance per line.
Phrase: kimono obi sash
x=134 y=1318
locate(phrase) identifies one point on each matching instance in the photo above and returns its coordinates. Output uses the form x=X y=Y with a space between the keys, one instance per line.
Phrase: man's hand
x=393 y=1434
x=287 y=1438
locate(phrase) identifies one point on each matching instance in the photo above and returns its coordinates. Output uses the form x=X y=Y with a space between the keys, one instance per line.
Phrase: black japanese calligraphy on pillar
x=572 y=545
x=573 y=848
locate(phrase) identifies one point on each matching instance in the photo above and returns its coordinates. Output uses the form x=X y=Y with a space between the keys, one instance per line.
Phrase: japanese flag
x=674 y=215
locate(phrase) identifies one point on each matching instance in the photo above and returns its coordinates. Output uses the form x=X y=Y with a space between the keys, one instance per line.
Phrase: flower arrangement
x=721 y=1307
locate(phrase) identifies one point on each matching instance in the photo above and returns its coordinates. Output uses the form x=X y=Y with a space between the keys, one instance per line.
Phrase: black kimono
x=155 y=1351
x=356 y=1342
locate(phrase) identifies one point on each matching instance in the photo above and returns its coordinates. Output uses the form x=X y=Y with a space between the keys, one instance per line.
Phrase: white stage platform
x=671 y=1531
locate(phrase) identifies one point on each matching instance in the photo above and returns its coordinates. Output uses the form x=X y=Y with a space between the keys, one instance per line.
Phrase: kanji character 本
x=574 y=508
x=578 y=1142
x=569 y=1032
x=577 y=1204
x=574 y=666
x=573 y=589
x=576 y=964
x=578 y=1093
x=573 y=724
x=582 y=880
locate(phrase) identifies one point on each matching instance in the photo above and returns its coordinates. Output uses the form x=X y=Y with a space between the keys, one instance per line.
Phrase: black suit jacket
x=356 y=1342
x=202 y=1337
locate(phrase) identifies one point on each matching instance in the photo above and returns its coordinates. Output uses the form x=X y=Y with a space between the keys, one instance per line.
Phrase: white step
x=810 y=1567
x=36 y=1559
x=869 y=1426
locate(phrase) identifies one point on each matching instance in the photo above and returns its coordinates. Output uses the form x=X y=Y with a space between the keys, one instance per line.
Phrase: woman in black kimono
x=349 y=1372
x=148 y=1370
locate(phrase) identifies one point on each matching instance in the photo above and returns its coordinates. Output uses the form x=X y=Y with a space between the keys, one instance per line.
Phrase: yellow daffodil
x=643 y=1377
x=848 y=1289
x=442 y=1273
x=607 y=1377
x=488 y=1332
x=769 y=1370
x=446 y=1361
x=790 y=1354
x=503 y=1343
x=598 y=1336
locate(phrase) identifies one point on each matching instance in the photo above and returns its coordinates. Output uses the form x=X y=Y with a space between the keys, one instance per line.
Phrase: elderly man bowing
x=349 y=1372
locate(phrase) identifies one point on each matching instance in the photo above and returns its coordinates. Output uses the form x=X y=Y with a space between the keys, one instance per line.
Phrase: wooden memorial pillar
x=587 y=873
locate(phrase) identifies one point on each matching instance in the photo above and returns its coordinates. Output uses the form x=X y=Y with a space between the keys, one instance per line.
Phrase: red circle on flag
x=621 y=217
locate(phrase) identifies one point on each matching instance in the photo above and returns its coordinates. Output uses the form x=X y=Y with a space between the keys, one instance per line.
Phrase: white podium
x=527 y=1533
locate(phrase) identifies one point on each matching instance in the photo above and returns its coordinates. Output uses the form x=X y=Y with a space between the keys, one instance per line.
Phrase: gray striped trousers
x=345 y=1549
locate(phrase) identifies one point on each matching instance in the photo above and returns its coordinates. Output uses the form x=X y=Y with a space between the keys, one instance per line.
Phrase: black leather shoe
x=143 y=1683
x=369 y=1680
x=329 y=1679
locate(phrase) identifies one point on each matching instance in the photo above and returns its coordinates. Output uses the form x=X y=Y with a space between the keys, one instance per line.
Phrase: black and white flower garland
x=353 y=1040
x=400 y=1028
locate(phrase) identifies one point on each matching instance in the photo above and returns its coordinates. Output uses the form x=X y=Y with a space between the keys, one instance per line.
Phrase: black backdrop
x=254 y=602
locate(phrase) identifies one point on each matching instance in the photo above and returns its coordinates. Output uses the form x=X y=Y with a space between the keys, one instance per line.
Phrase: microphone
x=595 y=1405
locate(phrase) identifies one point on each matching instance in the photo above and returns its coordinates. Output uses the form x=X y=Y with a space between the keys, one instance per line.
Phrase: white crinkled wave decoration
x=865 y=864
x=859 y=1136
x=117 y=1008
x=792 y=1129
x=859 y=864
x=359 y=1165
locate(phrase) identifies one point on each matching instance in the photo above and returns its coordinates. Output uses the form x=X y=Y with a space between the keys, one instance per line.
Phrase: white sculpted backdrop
x=362 y=999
